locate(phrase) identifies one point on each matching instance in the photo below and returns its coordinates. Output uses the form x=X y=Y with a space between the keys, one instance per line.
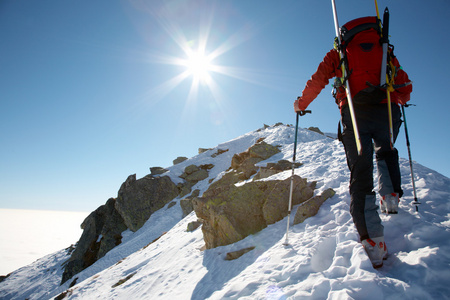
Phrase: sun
x=198 y=60
x=198 y=65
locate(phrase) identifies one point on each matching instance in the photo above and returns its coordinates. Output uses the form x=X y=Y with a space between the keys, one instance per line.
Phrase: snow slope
x=323 y=261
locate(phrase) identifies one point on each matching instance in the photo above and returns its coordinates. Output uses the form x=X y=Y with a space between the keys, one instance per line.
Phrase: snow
x=324 y=259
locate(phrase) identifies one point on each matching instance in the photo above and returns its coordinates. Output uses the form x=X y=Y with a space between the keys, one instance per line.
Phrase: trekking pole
x=415 y=202
x=300 y=113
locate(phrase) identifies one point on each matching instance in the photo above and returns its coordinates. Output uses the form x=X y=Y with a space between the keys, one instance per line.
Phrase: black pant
x=373 y=127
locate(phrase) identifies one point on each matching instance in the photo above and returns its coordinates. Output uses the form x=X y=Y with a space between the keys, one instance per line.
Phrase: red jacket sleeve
x=404 y=89
x=327 y=69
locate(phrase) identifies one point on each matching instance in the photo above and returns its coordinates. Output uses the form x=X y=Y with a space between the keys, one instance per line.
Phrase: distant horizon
x=45 y=210
x=33 y=234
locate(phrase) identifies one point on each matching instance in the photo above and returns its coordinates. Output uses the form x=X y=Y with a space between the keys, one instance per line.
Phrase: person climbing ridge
x=355 y=63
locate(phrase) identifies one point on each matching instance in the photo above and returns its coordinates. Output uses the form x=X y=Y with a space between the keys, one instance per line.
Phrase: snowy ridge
x=324 y=260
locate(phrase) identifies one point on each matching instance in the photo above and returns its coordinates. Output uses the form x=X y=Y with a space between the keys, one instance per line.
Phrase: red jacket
x=330 y=68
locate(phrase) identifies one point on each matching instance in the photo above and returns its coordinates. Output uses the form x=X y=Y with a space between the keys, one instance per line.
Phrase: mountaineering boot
x=376 y=250
x=389 y=203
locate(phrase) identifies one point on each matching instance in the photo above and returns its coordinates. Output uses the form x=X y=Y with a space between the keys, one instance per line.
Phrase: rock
x=123 y=280
x=138 y=199
x=277 y=199
x=264 y=173
x=265 y=126
x=184 y=188
x=191 y=169
x=275 y=168
x=221 y=227
x=245 y=162
x=195 y=193
x=202 y=150
x=237 y=160
x=236 y=254
x=230 y=213
x=193 y=225
x=3 y=277
x=193 y=174
x=129 y=181
x=263 y=150
x=248 y=168
x=179 y=159
x=186 y=204
x=282 y=165
x=197 y=176
x=206 y=166
x=157 y=170
x=311 y=207
x=315 y=129
x=101 y=232
x=219 y=151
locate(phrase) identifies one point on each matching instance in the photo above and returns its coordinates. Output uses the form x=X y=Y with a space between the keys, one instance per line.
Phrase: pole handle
x=303 y=112
x=408 y=105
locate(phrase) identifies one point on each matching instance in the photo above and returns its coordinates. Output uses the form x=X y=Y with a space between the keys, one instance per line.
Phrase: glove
x=298 y=107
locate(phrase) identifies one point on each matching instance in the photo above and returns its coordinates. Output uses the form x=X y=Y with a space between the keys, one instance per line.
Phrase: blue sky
x=93 y=91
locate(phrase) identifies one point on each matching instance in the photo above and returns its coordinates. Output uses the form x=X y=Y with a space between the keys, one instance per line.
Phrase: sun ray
x=159 y=92
x=243 y=35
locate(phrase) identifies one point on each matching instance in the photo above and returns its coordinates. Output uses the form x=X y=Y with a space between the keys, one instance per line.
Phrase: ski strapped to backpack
x=384 y=71
x=344 y=81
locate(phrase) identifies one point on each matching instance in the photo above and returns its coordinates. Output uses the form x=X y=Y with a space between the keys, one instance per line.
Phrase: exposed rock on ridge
x=311 y=207
x=234 y=206
x=101 y=232
x=102 y=229
x=138 y=199
x=230 y=212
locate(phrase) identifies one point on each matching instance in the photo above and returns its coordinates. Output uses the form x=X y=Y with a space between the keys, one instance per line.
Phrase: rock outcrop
x=102 y=229
x=311 y=207
x=235 y=205
x=231 y=212
x=138 y=199
x=236 y=254
x=274 y=168
x=186 y=203
x=101 y=232
x=191 y=175
x=179 y=159
x=244 y=163
x=316 y=129
x=157 y=170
